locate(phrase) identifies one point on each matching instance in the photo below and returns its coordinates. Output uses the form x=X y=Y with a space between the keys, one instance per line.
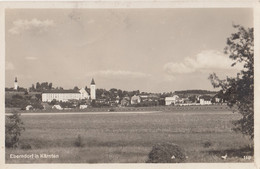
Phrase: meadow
x=205 y=135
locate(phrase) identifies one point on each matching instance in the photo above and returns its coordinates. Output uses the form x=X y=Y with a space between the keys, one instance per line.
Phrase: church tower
x=15 y=84
x=92 y=90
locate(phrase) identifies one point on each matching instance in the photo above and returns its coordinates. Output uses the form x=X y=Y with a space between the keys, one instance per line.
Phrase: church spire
x=92 y=82
x=15 y=84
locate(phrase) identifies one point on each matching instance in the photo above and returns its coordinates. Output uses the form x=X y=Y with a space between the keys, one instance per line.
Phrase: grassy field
x=128 y=138
x=204 y=108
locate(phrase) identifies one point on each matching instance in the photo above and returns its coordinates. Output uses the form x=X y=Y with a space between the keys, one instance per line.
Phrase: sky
x=151 y=50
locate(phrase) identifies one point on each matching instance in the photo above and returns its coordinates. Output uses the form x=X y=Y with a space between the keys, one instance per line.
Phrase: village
x=69 y=99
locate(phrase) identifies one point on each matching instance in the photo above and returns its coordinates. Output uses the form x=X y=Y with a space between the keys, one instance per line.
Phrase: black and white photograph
x=129 y=85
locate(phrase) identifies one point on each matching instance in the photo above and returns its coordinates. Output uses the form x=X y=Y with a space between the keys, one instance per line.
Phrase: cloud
x=9 y=66
x=178 y=68
x=119 y=74
x=205 y=61
x=31 y=58
x=39 y=26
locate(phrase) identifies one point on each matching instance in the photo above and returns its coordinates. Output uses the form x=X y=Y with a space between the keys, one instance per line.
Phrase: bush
x=78 y=142
x=13 y=129
x=207 y=144
x=26 y=146
x=17 y=96
x=112 y=110
x=166 y=153
x=37 y=105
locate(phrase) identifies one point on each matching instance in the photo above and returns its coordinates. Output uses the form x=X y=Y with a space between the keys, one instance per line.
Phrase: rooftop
x=60 y=91
x=92 y=82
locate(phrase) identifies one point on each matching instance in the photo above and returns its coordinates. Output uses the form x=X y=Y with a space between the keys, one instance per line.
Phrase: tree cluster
x=13 y=128
x=21 y=101
x=19 y=89
x=39 y=87
x=112 y=94
x=192 y=92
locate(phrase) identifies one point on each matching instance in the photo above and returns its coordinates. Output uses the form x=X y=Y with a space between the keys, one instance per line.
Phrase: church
x=66 y=95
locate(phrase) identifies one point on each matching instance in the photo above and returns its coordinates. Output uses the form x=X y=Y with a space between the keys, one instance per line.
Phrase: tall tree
x=50 y=86
x=38 y=86
x=239 y=91
x=33 y=88
x=76 y=88
x=44 y=86
x=13 y=129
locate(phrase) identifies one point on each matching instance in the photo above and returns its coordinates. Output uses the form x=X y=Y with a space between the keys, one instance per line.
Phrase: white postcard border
x=133 y=4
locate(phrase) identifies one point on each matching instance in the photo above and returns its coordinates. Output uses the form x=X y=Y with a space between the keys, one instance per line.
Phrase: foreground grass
x=128 y=138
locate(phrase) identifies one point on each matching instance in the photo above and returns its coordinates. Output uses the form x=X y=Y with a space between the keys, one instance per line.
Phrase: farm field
x=129 y=137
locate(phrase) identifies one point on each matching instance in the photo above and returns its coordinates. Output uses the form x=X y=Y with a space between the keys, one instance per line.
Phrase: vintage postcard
x=129 y=84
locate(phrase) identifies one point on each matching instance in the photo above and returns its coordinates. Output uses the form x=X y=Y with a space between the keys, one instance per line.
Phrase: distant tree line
x=113 y=93
x=39 y=87
x=19 y=89
x=201 y=92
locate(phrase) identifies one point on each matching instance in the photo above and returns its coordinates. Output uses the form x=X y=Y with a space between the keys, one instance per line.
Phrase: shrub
x=207 y=144
x=112 y=110
x=17 y=96
x=166 y=153
x=13 y=129
x=26 y=146
x=78 y=142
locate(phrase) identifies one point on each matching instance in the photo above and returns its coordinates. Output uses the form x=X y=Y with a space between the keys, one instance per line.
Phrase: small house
x=171 y=100
x=29 y=107
x=83 y=106
x=135 y=99
x=56 y=106
x=205 y=100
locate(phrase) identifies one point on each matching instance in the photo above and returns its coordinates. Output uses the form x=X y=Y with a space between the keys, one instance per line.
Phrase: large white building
x=171 y=100
x=64 y=95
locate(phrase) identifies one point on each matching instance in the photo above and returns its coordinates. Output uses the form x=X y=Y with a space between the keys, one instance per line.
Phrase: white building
x=58 y=107
x=64 y=95
x=135 y=99
x=171 y=100
x=205 y=102
x=28 y=107
x=92 y=90
x=217 y=100
x=84 y=94
x=83 y=106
